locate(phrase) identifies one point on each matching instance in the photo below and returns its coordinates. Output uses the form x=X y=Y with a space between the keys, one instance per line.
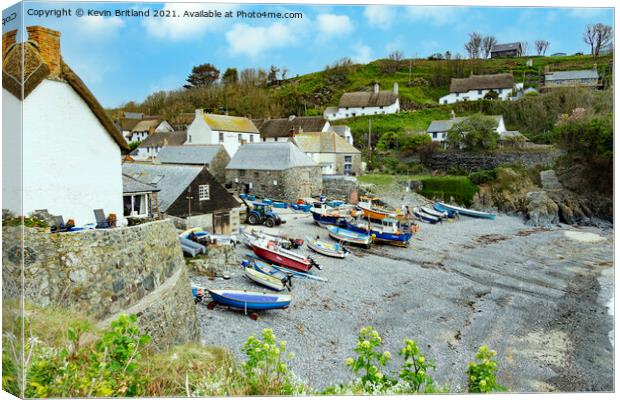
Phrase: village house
x=152 y=145
x=68 y=150
x=276 y=170
x=135 y=126
x=189 y=195
x=355 y=104
x=331 y=152
x=139 y=199
x=588 y=78
x=506 y=50
x=229 y=131
x=213 y=156
x=282 y=129
x=438 y=130
x=476 y=87
x=344 y=131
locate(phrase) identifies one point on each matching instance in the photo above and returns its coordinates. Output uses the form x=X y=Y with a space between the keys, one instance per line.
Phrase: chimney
x=48 y=42
x=8 y=39
x=396 y=88
x=199 y=112
x=376 y=88
x=452 y=114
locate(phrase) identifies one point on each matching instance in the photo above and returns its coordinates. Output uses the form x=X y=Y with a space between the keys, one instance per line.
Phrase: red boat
x=270 y=251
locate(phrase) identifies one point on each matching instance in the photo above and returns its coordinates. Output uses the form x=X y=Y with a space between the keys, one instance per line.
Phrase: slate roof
x=132 y=185
x=171 y=180
x=506 y=47
x=281 y=127
x=229 y=123
x=368 y=99
x=159 y=139
x=477 y=82
x=445 y=124
x=323 y=142
x=194 y=154
x=35 y=70
x=270 y=156
x=569 y=75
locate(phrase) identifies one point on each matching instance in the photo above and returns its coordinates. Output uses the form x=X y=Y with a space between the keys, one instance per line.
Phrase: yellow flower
x=421 y=359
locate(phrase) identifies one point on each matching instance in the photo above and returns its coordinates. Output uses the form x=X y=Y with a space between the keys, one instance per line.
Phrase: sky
x=126 y=58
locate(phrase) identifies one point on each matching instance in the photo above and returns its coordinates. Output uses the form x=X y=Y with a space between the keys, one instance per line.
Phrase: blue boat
x=348 y=236
x=249 y=300
x=335 y=203
x=390 y=231
x=442 y=209
x=301 y=207
x=279 y=204
x=328 y=217
x=465 y=211
x=422 y=216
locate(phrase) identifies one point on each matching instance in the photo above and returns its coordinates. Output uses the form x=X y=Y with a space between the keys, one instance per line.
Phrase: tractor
x=262 y=214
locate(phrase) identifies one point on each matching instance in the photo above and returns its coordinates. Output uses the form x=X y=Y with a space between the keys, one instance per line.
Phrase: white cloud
x=332 y=25
x=381 y=16
x=361 y=54
x=98 y=26
x=253 y=40
x=186 y=28
x=589 y=13
x=434 y=15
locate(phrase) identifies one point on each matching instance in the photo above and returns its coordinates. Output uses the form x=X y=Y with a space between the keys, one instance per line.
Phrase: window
x=251 y=138
x=136 y=205
x=381 y=107
x=456 y=94
x=348 y=158
x=445 y=102
x=189 y=138
x=241 y=172
x=221 y=137
x=479 y=91
x=203 y=192
x=434 y=135
x=256 y=175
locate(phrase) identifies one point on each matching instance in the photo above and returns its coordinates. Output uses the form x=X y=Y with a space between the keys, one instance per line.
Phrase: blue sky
x=125 y=58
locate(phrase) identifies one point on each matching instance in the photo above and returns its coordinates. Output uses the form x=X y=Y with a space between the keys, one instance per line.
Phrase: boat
x=301 y=207
x=376 y=213
x=326 y=248
x=391 y=230
x=439 y=208
x=433 y=212
x=247 y=236
x=195 y=232
x=467 y=212
x=267 y=269
x=328 y=215
x=191 y=248
x=348 y=236
x=250 y=300
x=422 y=216
x=269 y=281
x=269 y=250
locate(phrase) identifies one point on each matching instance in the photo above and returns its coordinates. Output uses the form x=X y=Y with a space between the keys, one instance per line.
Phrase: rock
x=541 y=210
x=77 y=276
x=549 y=180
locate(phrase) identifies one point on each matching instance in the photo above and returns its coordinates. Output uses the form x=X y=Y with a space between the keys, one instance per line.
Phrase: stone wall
x=105 y=272
x=290 y=184
x=444 y=161
x=338 y=185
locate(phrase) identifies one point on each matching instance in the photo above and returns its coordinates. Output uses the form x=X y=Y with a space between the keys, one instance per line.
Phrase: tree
x=202 y=75
x=541 y=47
x=597 y=36
x=473 y=45
x=284 y=72
x=396 y=55
x=389 y=141
x=475 y=133
x=272 y=77
x=447 y=55
x=487 y=44
x=491 y=95
x=524 y=48
x=231 y=76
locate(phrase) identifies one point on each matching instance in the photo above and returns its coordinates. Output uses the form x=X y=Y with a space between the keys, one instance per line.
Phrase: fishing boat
x=433 y=212
x=269 y=250
x=266 y=280
x=440 y=208
x=247 y=236
x=422 y=216
x=348 y=236
x=374 y=212
x=268 y=269
x=391 y=231
x=467 y=212
x=324 y=215
x=326 y=248
x=249 y=300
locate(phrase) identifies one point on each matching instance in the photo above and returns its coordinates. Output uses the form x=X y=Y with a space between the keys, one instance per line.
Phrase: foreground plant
x=370 y=361
x=482 y=373
x=414 y=372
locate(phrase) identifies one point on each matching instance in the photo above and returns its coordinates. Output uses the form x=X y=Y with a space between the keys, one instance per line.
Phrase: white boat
x=326 y=248
x=263 y=279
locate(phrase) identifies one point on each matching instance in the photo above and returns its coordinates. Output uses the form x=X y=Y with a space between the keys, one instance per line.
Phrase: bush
x=415 y=370
x=484 y=176
x=443 y=187
x=481 y=374
x=370 y=361
x=474 y=133
x=585 y=135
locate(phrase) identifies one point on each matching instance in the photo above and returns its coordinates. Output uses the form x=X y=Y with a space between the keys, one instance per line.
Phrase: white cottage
x=282 y=129
x=476 y=87
x=71 y=155
x=438 y=130
x=229 y=131
x=146 y=128
x=356 y=104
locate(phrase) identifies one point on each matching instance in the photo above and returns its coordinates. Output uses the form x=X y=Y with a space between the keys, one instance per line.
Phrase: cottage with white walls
x=344 y=131
x=71 y=155
x=229 y=131
x=152 y=145
x=356 y=104
x=331 y=152
x=438 y=130
x=147 y=127
x=477 y=86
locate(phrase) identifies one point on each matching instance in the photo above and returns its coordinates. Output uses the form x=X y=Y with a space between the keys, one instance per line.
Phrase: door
x=221 y=223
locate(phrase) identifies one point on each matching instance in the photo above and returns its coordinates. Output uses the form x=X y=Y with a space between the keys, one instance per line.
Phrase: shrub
x=474 y=133
x=484 y=176
x=370 y=360
x=389 y=141
x=458 y=187
x=415 y=370
x=481 y=374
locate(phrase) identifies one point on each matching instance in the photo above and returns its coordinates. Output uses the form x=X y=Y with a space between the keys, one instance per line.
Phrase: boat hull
x=344 y=235
x=263 y=279
x=281 y=259
x=422 y=216
x=327 y=249
x=328 y=219
x=467 y=212
x=398 y=239
x=247 y=300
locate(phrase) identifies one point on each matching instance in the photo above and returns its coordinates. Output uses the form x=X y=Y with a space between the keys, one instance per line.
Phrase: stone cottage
x=331 y=152
x=275 y=170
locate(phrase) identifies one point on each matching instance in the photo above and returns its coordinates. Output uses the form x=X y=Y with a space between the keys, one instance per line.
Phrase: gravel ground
x=539 y=297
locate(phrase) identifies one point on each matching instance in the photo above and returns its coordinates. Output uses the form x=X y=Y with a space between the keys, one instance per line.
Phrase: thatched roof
x=146 y=125
x=282 y=127
x=159 y=139
x=35 y=71
x=478 y=82
x=383 y=98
